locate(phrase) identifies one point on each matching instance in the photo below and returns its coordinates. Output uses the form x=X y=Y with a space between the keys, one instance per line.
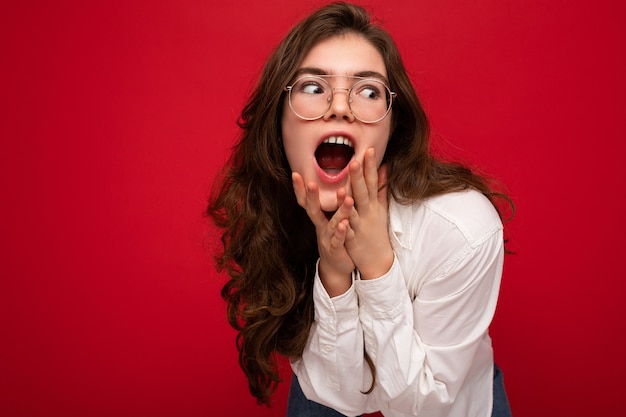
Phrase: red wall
x=116 y=116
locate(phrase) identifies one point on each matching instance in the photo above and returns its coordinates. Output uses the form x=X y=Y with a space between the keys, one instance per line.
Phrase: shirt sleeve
x=332 y=370
x=422 y=348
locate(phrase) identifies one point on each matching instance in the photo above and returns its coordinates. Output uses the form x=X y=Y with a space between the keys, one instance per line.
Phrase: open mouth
x=334 y=154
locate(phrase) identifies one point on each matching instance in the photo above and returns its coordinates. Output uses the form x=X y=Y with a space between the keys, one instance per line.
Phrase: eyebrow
x=319 y=71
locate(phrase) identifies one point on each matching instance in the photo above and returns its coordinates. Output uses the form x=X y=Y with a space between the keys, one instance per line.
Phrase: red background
x=116 y=116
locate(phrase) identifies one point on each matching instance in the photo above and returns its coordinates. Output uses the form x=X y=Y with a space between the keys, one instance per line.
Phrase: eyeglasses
x=311 y=96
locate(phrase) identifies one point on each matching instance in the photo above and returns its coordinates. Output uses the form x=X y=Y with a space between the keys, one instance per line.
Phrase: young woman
x=351 y=250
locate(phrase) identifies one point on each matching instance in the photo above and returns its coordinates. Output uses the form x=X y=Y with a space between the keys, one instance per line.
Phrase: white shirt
x=424 y=323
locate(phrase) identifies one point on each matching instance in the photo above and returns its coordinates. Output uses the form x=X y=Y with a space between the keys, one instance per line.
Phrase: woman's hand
x=367 y=238
x=357 y=234
x=335 y=266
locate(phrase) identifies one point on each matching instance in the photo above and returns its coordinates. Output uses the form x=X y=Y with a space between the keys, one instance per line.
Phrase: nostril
x=339 y=108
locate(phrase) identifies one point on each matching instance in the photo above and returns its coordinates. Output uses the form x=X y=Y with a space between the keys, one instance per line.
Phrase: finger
x=299 y=189
x=355 y=221
x=382 y=185
x=313 y=207
x=344 y=211
x=350 y=234
x=341 y=195
x=339 y=236
x=308 y=199
x=359 y=188
x=370 y=172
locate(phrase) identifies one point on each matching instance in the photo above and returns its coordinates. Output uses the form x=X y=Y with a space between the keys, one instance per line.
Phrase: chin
x=329 y=203
x=330 y=207
x=328 y=196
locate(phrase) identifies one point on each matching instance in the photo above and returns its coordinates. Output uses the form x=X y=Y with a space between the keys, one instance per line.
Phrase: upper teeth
x=339 y=140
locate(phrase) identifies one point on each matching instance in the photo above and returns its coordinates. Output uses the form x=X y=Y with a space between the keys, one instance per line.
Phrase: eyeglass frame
x=289 y=88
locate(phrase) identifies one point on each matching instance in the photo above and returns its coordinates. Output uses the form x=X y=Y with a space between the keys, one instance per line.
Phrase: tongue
x=333 y=158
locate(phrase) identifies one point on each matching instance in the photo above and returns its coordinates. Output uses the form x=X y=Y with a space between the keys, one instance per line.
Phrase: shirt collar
x=400 y=223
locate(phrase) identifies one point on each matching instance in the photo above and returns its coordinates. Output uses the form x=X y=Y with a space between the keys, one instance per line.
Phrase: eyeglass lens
x=311 y=97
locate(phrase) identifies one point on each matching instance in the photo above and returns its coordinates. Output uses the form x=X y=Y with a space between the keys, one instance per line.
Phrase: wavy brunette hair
x=269 y=243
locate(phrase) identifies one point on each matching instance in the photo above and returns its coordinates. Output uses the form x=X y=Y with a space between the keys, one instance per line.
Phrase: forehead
x=345 y=55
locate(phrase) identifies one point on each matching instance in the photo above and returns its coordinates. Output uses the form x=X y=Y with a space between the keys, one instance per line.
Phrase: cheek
x=381 y=143
x=294 y=151
x=294 y=157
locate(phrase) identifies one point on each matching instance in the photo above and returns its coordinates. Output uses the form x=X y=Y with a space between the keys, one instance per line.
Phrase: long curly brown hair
x=269 y=243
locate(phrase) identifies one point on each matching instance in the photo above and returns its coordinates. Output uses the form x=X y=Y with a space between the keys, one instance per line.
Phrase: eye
x=368 y=90
x=310 y=86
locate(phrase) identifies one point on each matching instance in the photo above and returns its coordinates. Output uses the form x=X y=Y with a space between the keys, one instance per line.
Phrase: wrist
x=380 y=267
x=335 y=282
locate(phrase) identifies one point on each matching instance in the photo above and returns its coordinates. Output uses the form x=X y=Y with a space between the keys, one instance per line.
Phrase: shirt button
x=328 y=348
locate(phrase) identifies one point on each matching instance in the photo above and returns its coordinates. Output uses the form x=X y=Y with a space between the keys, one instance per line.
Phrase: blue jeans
x=299 y=406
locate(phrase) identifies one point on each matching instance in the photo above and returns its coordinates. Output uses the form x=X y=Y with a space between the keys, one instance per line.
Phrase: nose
x=340 y=105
